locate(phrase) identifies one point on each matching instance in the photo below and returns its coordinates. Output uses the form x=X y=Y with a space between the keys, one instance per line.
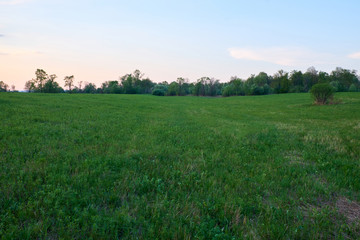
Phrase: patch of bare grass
x=349 y=209
x=332 y=141
x=295 y=157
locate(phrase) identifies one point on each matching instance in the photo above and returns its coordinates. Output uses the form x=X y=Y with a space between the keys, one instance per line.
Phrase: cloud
x=285 y=56
x=13 y=2
x=14 y=51
x=354 y=55
x=2 y=35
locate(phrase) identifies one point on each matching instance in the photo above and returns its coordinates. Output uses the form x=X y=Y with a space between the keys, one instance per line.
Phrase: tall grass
x=146 y=167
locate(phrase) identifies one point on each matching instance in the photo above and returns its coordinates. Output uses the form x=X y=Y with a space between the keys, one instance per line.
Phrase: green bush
x=352 y=88
x=322 y=93
x=158 y=92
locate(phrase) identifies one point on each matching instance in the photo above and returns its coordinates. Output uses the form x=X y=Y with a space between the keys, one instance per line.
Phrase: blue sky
x=102 y=40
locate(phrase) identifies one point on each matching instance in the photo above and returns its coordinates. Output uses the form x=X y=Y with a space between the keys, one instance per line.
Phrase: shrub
x=158 y=92
x=352 y=88
x=322 y=93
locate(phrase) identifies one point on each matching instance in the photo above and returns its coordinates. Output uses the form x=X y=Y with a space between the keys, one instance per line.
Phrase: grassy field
x=146 y=167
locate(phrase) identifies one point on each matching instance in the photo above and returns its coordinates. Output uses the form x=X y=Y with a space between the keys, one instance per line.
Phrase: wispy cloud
x=13 y=2
x=286 y=56
x=14 y=51
x=354 y=55
x=2 y=35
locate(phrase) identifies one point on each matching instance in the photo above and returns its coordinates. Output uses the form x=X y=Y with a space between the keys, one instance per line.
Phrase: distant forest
x=342 y=80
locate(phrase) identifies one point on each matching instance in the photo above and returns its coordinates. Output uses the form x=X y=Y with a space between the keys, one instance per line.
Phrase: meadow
x=88 y=166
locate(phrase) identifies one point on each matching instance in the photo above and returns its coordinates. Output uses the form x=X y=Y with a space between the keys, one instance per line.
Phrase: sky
x=101 y=40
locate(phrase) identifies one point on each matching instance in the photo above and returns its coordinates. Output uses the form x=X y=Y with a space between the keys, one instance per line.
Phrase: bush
x=158 y=92
x=322 y=93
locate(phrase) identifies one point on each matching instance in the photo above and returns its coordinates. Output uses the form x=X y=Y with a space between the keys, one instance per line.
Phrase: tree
x=261 y=79
x=89 y=88
x=310 y=78
x=227 y=90
x=30 y=86
x=296 y=81
x=180 y=90
x=41 y=77
x=69 y=82
x=79 y=88
x=173 y=89
x=285 y=85
x=267 y=89
x=43 y=83
x=352 y=88
x=323 y=77
x=112 y=87
x=211 y=87
x=137 y=74
x=258 y=85
x=344 y=78
x=280 y=82
x=237 y=86
x=133 y=83
x=128 y=84
x=199 y=89
x=145 y=86
x=3 y=87
x=51 y=86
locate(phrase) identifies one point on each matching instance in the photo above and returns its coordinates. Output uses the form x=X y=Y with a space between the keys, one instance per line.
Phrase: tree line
x=5 y=88
x=340 y=79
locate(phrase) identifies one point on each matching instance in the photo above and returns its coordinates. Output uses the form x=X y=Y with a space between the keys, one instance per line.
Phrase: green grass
x=146 y=167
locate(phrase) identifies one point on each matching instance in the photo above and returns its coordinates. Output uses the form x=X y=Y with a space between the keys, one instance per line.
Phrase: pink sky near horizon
x=97 y=41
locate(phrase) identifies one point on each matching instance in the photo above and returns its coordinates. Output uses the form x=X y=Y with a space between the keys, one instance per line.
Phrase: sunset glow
x=101 y=40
